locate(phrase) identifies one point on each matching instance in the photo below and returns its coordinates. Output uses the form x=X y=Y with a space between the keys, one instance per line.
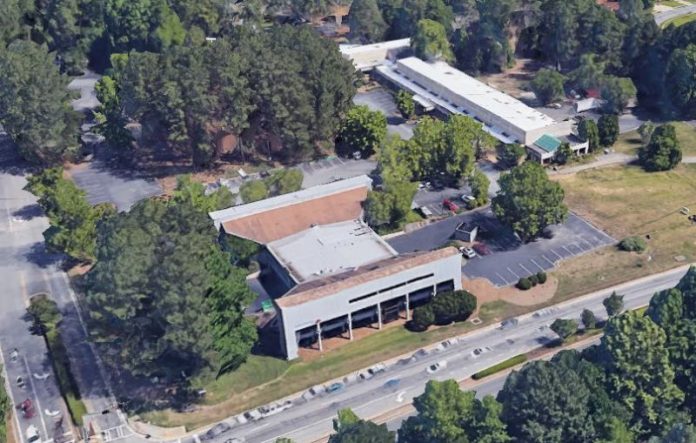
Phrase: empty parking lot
x=509 y=259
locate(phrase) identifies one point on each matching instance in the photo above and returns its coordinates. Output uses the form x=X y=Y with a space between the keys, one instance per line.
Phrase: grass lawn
x=629 y=142
x=671 y=3
x=681 y=20
x=264 y=379
x=627 y=201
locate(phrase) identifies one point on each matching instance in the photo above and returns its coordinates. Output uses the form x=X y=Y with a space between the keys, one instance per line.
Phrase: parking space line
x=560 y=257
x=512 y=272
x=568 y=250
x=585 y=241
x=550 y=262
x=502 y=278
x=537 y=264
x=525 y=268
x=575 y=244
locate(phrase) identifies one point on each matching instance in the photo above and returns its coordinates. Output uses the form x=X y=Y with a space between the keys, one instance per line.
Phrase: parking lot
x=103 y=185
x=379 y=99
x=509 y=259
x=316 y=173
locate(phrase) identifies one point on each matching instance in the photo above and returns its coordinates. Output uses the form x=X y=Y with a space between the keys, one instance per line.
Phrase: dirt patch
x=486 y=292
x=515 y=80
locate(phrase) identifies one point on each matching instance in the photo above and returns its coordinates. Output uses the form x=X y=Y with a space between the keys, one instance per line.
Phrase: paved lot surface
x=317 y=172
x=379 y=99
x=509 y=259
x=661 y=17
x=104 y=185
x=88 y=96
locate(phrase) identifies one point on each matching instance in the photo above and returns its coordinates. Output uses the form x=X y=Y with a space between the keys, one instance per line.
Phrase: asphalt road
x=310 y=420
x=22 y=278
x=26 y=269
x=661 y=17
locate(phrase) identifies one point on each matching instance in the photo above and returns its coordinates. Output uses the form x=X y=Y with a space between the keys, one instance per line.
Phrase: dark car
x=215 y=431
x=482 y=249
x=27 y=408
x=450 y=205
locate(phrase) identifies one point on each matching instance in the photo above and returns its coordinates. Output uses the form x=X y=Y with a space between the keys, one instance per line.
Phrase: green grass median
x=509 y=363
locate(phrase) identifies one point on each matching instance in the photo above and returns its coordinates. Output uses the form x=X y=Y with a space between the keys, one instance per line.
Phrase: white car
x=437 y=367
x=467 y=198
x=467 y=252
x=32 y=434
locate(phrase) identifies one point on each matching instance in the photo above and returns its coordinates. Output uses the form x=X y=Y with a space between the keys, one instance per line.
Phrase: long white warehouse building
x=454 y=92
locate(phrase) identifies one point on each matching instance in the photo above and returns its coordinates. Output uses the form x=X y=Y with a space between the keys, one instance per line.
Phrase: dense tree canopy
x=430 y=42
x=362 y=130
x=366 y=22
x=528 y=201
x=73 y=221
x=163 y=296
x=663 y=152
x=548 y=85
x=301 y=89
x=34 y=104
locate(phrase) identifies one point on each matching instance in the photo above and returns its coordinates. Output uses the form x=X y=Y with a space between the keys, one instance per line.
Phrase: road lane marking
x=400 y=397
x=8 y=389
x=38 y=402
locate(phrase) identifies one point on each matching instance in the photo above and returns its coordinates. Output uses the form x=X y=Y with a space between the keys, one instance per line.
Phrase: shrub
x=453 y=306
x=423 y=318
x=405 y=104
x=633 y=244
x=564 y=327
x=524 y=284
x=533 y=279
x=589 y=320
x=541 y=277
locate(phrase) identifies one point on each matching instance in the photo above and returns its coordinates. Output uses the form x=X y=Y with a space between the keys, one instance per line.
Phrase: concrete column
x=321 y=348
x=434 y=289
x=350 y=326
x=408 y=311
x=379 y=316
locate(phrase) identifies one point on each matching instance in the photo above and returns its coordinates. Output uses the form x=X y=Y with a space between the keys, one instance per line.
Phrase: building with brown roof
x=333 y=271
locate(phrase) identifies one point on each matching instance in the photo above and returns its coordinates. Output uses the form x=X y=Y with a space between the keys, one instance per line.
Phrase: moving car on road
x=437 y=366
x=32 y=434
x=27 y=408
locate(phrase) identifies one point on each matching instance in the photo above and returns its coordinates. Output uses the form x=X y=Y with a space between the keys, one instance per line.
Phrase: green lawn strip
x=679 y=21
x=506 y=364
x=66 y=380
x=671 y=3
x=629 y=142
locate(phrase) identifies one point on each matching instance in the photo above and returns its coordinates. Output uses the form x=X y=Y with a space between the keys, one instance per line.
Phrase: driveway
x=379 y=99
x=510 y=259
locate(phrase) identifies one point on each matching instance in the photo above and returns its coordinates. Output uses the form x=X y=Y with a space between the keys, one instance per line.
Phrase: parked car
x=425 y=211
x=27 y=408
x=376 y=369
x=335 y=387
x=468 y=199
x=252 y=415
x=481 y=249
x=467 y=252
x=450 y=205
x=20 y=382
x=215 y=431
x=437 y=367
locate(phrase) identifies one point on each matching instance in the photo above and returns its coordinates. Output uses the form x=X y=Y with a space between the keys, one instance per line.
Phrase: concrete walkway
x=616 y=158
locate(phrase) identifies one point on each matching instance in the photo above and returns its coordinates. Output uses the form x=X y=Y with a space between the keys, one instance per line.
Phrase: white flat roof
x=292 y=198
x=329 y=249
x=477 y=92
x=350 y=50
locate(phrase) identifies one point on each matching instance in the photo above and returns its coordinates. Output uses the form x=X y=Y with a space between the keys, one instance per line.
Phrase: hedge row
x=535 y=279
x=510 y=362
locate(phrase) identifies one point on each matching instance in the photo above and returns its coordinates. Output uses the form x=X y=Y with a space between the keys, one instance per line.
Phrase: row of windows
x=372 y=294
